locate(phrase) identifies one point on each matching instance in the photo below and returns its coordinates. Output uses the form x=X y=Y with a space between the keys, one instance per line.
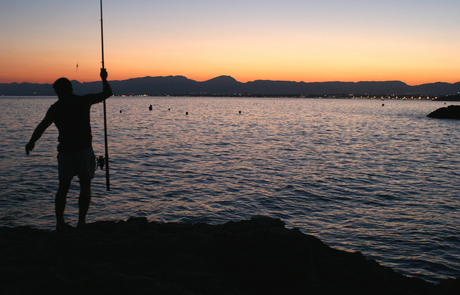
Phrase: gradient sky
x=414 y=41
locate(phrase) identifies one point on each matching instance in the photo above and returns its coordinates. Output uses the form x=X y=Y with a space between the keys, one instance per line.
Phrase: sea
x=368 y=175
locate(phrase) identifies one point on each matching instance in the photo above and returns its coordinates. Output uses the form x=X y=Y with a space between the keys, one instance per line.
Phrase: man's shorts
x=81 y=163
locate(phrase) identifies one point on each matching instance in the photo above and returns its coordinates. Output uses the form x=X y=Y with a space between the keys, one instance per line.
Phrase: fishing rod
x=107 y=174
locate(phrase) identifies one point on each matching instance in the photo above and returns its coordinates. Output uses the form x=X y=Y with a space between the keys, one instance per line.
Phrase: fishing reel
x=100 y=162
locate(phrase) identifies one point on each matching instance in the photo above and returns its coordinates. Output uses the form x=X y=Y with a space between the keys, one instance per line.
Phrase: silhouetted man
x=71 y=115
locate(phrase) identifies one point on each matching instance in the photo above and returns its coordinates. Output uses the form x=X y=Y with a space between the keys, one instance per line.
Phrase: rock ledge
x=256 y=256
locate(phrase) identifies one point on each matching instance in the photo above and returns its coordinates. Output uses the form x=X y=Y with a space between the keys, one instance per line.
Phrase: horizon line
x=221 y=76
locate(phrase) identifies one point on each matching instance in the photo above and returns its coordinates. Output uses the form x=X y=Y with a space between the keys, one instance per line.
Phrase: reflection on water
x=358 y=175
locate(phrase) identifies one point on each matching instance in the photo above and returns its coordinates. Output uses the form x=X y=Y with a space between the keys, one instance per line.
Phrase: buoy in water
x=186 y=113
x=150 y=107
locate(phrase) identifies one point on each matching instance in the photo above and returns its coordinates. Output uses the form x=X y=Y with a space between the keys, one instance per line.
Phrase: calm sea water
x=383 y=180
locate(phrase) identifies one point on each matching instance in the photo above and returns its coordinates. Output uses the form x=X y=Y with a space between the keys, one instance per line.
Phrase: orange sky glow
x=287 y=40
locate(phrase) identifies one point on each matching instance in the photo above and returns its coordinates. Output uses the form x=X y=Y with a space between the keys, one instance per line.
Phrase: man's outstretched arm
x=45 y=123
x=106 y=90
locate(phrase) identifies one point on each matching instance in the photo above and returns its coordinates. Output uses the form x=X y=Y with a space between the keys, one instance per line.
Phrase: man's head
x=63 y=87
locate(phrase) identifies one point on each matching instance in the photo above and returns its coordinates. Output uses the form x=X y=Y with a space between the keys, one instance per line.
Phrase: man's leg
x=84 y=200
x=60 y=201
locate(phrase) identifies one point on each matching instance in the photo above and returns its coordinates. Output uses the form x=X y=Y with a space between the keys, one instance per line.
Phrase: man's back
x=71 y=115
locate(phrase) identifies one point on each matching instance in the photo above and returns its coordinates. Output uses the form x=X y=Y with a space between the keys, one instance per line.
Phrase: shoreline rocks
x=450 y=112
x=256 y=256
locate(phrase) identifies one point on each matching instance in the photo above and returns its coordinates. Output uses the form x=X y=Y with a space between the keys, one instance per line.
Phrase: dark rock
x=257 y=256
x=450 y=112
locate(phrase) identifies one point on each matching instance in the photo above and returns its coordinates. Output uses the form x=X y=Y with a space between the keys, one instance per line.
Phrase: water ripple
x=381 y=180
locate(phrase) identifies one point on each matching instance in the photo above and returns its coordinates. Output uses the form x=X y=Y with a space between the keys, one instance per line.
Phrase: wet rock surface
x=450 y=112
x=256 y=256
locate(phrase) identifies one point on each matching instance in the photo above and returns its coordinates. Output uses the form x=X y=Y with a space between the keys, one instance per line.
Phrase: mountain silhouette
x=228 y=86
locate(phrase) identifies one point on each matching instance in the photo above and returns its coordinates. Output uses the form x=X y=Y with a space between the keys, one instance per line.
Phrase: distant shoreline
x=381 y=97
x=228 y=86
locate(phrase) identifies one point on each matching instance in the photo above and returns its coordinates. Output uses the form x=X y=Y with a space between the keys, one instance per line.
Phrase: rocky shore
x=450 y=112
x=256 y=256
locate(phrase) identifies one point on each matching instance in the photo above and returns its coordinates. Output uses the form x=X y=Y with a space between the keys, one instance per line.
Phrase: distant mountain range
x=228 y=86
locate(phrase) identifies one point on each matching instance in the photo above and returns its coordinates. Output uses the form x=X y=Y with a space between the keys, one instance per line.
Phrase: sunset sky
x=414 y=41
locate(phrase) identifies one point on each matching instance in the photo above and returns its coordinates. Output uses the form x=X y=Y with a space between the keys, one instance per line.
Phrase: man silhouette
x=71 y=115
